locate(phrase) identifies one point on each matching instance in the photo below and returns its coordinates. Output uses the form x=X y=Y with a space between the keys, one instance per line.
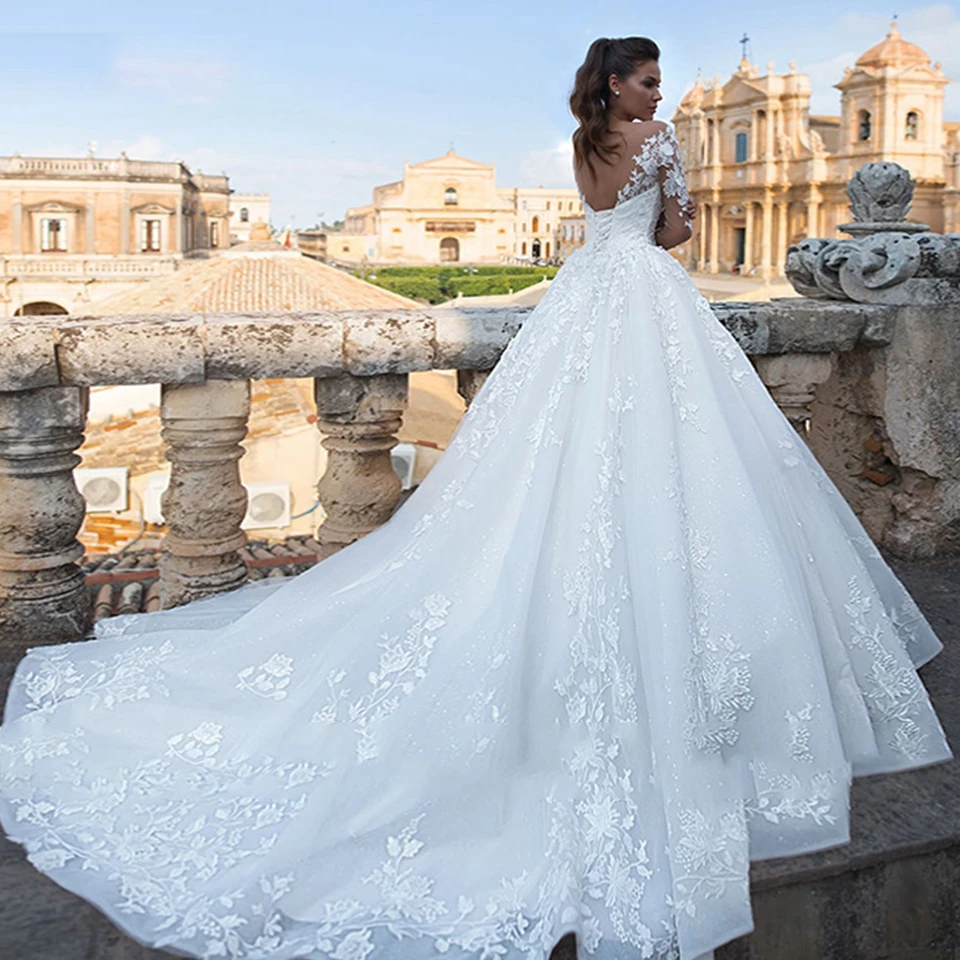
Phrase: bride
x=625 y=638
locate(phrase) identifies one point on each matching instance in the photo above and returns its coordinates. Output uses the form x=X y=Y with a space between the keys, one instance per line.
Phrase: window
x=535 y=228
x=863 y=132
x=912 y=126
x=523 y=229
x=244 y=215
x=53 y=234
x=548 y=228
x=741 y=148
x=548 y=204
x=150 y=236
x=214 y=234
x=450 y=197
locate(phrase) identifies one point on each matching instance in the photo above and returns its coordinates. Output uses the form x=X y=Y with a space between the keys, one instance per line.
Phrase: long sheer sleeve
x=676 y=221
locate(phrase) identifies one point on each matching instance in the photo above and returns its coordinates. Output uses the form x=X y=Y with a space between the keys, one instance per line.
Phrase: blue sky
x=317 y=102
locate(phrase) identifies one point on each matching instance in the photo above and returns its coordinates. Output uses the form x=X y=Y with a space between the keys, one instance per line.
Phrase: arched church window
x=741 y=143
x=912 y=127
x=450 y=196
x=535 y=228
x=864 y=126
x=244 y=215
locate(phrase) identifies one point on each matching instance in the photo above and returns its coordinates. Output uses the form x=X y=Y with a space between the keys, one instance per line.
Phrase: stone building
x=246 y=209
x=448 y=210
x=766 y=173
x=75 y=231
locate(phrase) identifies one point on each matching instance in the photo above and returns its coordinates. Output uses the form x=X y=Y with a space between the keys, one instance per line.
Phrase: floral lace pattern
x=536 y=700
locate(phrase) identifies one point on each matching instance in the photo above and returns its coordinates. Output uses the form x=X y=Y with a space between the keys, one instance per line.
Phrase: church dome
x=894 y=51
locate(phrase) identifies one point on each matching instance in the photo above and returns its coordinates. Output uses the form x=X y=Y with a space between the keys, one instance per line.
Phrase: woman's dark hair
x=591 y=91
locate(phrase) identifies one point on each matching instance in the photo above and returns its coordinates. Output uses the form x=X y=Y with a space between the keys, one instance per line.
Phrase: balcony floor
x=891 y=894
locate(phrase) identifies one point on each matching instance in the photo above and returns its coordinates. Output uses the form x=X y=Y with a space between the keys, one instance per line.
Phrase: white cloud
x=549 y=167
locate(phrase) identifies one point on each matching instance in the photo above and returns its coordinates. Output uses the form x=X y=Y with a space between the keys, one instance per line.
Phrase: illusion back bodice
x=656 y=185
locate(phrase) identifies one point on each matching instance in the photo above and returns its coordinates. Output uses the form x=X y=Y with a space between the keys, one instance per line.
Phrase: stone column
x=792 y=379
x=715 y=239
x=783 y=214
x=702 y=236
x=715 y=143
x=359 y=417
x=754 y=140
x=43 y=597
x=748 y=238
x=205 y=503
x=813 y=214
x=469 y=383
x=178 y=227
x=766 y=237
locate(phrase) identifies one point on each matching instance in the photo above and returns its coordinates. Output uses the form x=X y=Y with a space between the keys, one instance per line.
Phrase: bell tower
x=892 y=109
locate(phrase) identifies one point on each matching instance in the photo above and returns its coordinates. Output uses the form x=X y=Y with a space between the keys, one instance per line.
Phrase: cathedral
x=765 y=172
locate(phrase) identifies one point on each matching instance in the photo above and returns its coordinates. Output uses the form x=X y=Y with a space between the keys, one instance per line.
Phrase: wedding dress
x=624 y=638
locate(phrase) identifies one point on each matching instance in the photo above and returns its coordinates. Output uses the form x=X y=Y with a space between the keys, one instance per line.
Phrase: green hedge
x=437 y=284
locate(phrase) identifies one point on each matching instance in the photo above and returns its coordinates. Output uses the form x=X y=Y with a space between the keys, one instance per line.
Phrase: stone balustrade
x=819 y=360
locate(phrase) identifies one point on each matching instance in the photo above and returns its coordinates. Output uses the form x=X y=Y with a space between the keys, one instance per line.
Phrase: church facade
x=450 y=210
x=766 y=173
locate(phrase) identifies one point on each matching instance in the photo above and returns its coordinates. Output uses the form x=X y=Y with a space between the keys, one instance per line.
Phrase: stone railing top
x=890 y=260
x=84 y=351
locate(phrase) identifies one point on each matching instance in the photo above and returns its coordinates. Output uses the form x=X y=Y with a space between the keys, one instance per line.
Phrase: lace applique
x=660 y=149
x=271 y=680
x=783 y=796
x=132 y=674
x=712 y=856
x=799 y=724
x=403 y=665
x=894 y=694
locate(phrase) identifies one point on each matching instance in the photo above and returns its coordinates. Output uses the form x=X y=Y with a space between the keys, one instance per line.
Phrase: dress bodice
x=656 y=185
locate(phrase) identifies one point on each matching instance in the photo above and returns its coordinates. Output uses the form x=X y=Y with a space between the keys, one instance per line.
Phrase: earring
x=617 y=92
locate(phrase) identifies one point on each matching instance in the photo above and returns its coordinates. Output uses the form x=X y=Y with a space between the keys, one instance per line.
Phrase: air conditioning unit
x=403 y=458
x=154 y=489
x=104 y=488
x=268 y=505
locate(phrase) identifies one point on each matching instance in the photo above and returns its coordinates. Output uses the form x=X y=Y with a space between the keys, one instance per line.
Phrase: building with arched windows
x=246 y=209
x=765 y=172
x=449 y=210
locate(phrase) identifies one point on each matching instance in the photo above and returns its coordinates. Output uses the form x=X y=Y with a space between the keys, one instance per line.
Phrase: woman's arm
x=676 y=221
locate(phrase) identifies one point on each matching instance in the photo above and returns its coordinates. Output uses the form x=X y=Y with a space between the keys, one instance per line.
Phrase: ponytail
x=591 y=91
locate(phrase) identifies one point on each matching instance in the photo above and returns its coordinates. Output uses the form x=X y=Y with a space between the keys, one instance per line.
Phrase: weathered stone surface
x=29 y=355
x=257 y=347
x=803 y=325
x=131 y=350
x=42 y=594
x=359 y=418
x=472 y=338
x=386 y=341
x=205 y=503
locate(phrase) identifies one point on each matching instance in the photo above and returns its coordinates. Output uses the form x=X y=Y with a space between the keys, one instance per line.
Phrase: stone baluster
x=469 y=383
x=359 y=418
x=43 y=597
x=205 y=502
x=792 y=379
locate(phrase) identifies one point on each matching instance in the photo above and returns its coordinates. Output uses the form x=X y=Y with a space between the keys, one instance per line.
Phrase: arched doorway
x=449 y=250
x=535 y=249
x=39 y=308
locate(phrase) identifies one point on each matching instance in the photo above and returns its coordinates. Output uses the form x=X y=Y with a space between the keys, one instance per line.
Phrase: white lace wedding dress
x=625 y=637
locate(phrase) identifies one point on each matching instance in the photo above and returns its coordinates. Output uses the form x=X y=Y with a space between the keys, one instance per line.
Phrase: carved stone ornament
x=880 y=193
x=889 y=260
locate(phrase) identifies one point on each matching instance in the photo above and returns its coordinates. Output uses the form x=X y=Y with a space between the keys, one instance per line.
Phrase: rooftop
x=252 y=277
